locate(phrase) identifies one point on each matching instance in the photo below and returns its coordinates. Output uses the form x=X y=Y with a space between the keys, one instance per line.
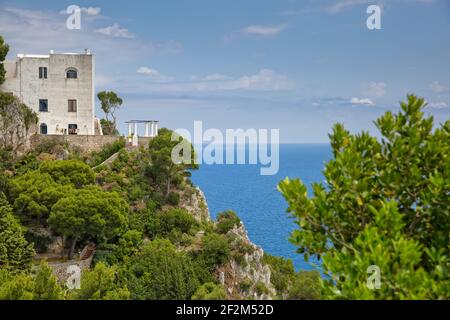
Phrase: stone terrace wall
x=87 y=143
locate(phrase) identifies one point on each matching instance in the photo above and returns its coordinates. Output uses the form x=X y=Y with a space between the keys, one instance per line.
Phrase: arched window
x=71 y=74
x=43 y=128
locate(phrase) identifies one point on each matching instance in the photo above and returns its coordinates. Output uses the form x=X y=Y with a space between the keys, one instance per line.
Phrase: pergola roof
x=141 y=121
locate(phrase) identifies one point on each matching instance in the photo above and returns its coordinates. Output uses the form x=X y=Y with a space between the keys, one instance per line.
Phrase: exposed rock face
x=248 y=278
x=196 y=204
x=251 y=279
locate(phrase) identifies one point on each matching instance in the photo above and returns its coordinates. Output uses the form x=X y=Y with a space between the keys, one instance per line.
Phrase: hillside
x=135 y=225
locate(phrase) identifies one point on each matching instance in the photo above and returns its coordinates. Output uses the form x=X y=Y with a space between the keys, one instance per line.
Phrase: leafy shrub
x=173 y=199
x=245 y=285
x=98 y=157
x=305 y=286
x=282 y=272
x=226 y=221
x=101 y=284
x=215 y=251
x=261 y=288
x=158 y=271
x=164 y=222
x=210 y=291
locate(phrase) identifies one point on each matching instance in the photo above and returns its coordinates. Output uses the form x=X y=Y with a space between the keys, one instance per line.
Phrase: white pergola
x=151 y=129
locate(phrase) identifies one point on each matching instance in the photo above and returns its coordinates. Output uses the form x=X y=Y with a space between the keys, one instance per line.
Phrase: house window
x=42 y=72
x=43 y=128
x=72 y=105
x=73 y=129
x=43 y=105
x=71 y=74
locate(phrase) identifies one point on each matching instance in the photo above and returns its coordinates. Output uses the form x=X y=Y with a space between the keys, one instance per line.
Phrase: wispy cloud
x=116 y=31
x=264 y=80
x=342 y=5
x=375 y=89
x=438 y=105
x=92 y=11
x=437 y=87
x=362 y=102
x=36 y=31
x=153 y=74
x=260 y=30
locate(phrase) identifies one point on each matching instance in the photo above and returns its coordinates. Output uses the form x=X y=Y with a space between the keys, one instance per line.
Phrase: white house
x=59 y=87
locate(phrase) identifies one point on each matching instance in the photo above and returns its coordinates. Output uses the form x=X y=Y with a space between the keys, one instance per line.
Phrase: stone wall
x=87 y=143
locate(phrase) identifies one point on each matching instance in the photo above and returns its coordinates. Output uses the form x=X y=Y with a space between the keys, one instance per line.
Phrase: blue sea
x=256 y=200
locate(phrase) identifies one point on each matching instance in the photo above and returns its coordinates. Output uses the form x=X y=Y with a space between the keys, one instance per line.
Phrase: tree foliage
x=89 y=213
x=101 y=284
x=162 y=169
x=210 y=291
x=404 y=178
x=25 y=286
x=4 y=48
x=15 y=251
x=158 y=271
x=110 y=103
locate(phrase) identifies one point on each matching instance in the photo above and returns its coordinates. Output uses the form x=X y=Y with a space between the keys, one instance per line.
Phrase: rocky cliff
x=245 y=275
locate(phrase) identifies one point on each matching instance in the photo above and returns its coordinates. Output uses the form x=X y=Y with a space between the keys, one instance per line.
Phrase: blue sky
x=298 y=66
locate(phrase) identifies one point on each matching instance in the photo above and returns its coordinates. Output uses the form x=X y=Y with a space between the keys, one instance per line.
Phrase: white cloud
x=263 y=30
x=215 y=77
x=375 y=89
x=38 y=32
x=153 y=74
x=436 y=87
x=264 y=80
x=148 y=71
x=92 y=11
x=116 y=31
x=438 y=105
x=342 y=5
x=362 y=102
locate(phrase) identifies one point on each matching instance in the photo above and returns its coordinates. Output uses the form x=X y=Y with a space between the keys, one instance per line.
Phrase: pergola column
x=156 y=128
x=129 y=129
x=152 y=129
x=146 y=129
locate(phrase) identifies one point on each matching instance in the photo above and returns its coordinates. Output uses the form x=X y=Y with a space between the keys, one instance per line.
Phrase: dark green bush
x=173 y=199
x=97 y=157
x=226 y=221
x=164 y=222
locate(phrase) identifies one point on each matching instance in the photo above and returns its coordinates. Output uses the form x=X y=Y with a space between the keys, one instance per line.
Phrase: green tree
x=210 y=291
x=46 y=285
x=159 y=271
x=89 y=213
x=162 y=169
x=15 y=286
x=25 y=286
x=305 y=286
x=74 y=172
x=164 y=222
x=15 y=252
x=101 y=284
x=110 y=103
x=4 y=48
x=403 y=177
x=34 y=193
